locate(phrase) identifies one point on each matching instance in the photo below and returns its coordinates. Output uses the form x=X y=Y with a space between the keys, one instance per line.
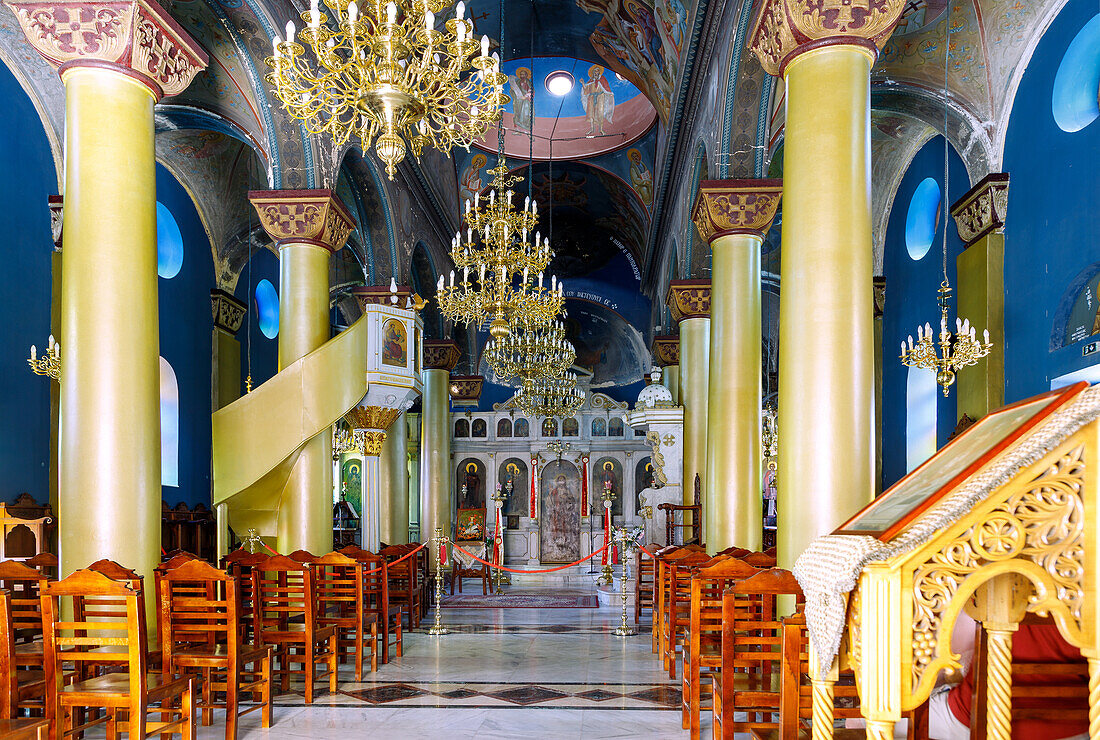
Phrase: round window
x=267 y=308
x=169 y=243
x=922 y=218
x=1073 y=99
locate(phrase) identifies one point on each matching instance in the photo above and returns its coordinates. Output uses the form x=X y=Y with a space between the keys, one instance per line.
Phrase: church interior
x=550 y=369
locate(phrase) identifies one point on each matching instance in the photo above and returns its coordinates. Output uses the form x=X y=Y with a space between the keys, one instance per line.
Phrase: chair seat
x=200 y=655
x=23 y=729
x=296 y=631
x=113 y=689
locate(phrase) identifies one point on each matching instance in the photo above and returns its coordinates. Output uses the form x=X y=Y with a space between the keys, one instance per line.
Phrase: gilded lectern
x=1002 y=521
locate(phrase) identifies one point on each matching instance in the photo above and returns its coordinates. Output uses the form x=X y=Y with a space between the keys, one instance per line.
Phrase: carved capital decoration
x=57 y=217
x=371 y=417
x=735 y=207
x=315 y=217
x=666 y=350
x=228 y=312
x=983 y=209
x=689 y=299
x=879 y=286
x=782 y=29
x=137 y=38
x=465 y=390
x=441 y=354
x=370 y=442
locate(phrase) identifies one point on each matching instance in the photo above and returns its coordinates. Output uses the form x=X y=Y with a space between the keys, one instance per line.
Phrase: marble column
x=824 y=50
x=666 y=353
x=980 y=218
x=307 y=226
x=413 y=457
x=733 y=216
x=394 y=480
x=689 y=301
x=116 y=60
x=440 y=358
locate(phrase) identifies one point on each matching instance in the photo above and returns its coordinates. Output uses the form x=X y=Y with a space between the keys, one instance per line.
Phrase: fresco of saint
x=523 y=93
x=641 y=179
x=598 y=100
x=395 y=344
x=471 y=178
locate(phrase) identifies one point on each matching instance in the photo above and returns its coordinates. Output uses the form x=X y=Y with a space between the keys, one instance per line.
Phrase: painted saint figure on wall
x=560 y=519
x=471 y=178
x=641 y=179
x=523 y=94
x=395 y=344
x=598 y=100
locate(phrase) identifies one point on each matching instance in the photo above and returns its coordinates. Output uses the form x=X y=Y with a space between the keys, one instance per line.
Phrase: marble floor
x=502 y=673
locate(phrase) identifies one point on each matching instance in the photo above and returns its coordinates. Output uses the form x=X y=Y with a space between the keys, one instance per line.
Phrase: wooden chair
x=302 y=556
x=240 y=564
x=341 y=603
x=376 y=598
x=645 y=568
x=18 y=689
x=24 y=729
x=677 y=605
x=748 y=678
x=115 y=637
x=201 y=631
x=660 y=586
x=25 y=584
x=758 y=559
x=477 y=570
x=702 y=654
x=46 y=562
x=404 y=586
x=174 y=560
x=285 y=616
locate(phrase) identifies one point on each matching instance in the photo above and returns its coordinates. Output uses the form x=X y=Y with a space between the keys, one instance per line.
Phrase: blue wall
x=27 y=180
x=911 y=300
x=264 y=352
x=185 y=342
x=1051 y=232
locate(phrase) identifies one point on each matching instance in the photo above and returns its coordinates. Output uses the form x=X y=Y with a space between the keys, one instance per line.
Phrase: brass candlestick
x=499 y=497
x=607 y=577
x=439 y=543
x=48 y=364
x=624 y=629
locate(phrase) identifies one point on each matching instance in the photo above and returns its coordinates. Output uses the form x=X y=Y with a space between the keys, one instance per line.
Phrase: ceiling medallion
x=385 y=74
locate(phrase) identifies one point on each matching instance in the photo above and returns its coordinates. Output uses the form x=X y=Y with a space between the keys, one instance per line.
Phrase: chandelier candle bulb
x=452 y=278
x=484 y=46
x=429 y=21
x=290 y=32
x=391 y=13
x=34 y=353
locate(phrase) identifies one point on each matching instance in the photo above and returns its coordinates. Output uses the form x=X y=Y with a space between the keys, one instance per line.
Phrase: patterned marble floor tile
x=524 y=695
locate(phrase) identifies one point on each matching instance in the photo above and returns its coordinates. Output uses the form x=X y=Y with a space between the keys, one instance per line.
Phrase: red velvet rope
x=647 y=552
x=531 y=572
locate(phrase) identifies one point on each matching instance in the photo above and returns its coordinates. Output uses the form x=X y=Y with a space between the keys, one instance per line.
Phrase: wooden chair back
x=107 y=606
x=24 y=585
x=46 y=562
x=758 y=559
x=8 y=680
x=735 y=552
x=660 y=585
x=283 y=591
x=302 y=556
x=240 y=565
x=677 y=603
x=338 y=580
x=199 y=605
x=645 y=568
x=96 y=637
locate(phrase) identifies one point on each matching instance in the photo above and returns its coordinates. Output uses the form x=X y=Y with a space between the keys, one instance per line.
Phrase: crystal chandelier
x=558 y=396
x=959 y=349
x=531 y=354
x=385 y=73
x=502 y=262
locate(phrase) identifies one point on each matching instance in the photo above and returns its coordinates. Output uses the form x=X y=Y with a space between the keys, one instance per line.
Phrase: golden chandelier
x=531 y=354
x=959 y=350
x=558 y=396
x=385 y=71
x=502 y=262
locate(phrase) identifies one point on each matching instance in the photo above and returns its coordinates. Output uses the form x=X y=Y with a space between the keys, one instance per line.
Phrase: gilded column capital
x=783 y=29
x=371 y=417
x=735 y=207
x=57 y=218
x=369 y=442
x=465 y=390
x=689 y=299
x=666 y=350
x=441 y=354
x=228 y=311
x=316 y=217
x=137 y=38
x=983 y=209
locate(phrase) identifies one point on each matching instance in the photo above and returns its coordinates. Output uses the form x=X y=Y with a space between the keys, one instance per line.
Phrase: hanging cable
x=946 y=172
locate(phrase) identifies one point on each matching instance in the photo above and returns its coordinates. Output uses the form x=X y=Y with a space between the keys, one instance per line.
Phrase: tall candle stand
x=499 y=498
x=439 y=542
x=608 y=496
x=624 y=629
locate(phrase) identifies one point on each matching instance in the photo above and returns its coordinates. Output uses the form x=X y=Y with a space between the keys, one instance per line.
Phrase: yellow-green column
x=413 y=463
x=824 y=52
x=394 y=476
x=689 y=301
x=440 y=357
x=980 y=219
x=666 y=351
x=109 y=457
x=307 y=226
x=733 y=216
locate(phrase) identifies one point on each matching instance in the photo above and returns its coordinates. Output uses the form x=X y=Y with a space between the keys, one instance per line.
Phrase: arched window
x=599 y=428
x=522 y=428
x=504 y=428
x=169 y=426
x=922 y=217
x=570 y=427
x=1073 y=98
x=920 y=416
x=169 y=243
x=267 y=308
x=462 y=428
x=615 y=427
x=479 y=429
x=549 y=427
